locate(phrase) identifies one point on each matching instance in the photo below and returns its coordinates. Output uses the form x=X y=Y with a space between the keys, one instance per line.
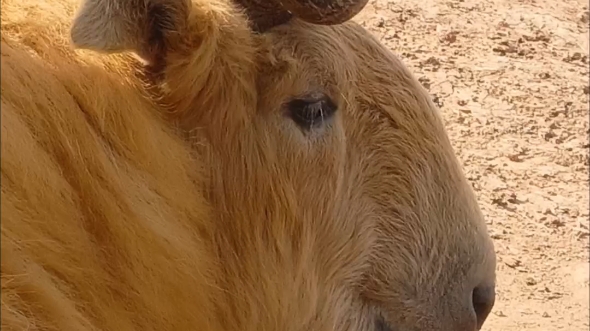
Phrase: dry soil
x=511 y=80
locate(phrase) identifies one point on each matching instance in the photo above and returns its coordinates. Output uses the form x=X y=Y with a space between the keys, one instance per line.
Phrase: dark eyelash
x=381 y=325
x=311 y=111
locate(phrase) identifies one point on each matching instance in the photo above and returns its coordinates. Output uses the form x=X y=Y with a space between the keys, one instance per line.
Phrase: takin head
x=341 y=204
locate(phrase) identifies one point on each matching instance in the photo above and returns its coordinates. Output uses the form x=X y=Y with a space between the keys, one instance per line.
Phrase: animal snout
x=483 y=299
x=472 y=313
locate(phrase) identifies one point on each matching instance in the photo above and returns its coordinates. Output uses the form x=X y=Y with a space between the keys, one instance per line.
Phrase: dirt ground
x=511 y=80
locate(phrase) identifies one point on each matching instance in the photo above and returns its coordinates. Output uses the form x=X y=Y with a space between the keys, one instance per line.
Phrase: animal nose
x=483 y=298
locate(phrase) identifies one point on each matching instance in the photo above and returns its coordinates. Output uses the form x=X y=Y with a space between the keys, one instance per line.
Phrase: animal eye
x=311 y=111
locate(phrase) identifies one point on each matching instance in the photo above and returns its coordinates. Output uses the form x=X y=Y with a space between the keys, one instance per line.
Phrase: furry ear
x=145 y=27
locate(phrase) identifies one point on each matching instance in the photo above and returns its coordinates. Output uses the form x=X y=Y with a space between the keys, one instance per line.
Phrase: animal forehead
x=336 y=51
x=352 y=62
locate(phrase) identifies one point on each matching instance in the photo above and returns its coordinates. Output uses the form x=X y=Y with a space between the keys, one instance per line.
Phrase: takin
x=227 y=165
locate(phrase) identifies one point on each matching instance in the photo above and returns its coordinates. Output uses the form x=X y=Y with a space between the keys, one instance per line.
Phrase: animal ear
x=146 y=27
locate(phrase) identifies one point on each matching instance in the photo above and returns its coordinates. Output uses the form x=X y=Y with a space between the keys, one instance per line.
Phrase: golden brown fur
x=196 y=204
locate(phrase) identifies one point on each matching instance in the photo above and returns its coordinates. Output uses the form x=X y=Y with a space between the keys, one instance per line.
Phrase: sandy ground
x=511 y=80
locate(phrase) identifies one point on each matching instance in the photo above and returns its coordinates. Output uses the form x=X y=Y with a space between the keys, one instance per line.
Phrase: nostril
x=483 y=298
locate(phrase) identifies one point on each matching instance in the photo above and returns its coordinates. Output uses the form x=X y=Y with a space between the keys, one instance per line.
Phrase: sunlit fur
x=196 y=204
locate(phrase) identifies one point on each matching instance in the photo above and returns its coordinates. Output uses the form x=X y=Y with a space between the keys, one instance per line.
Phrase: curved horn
x=265 y=14
x=324 y=12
